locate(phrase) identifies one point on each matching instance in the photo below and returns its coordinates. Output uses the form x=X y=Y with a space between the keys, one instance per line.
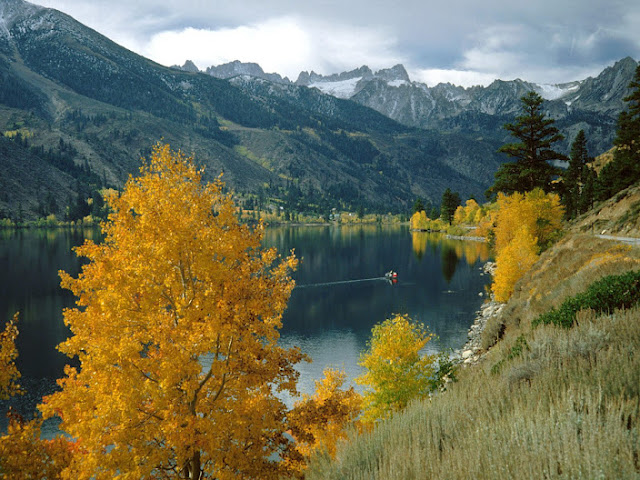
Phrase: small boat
x=391 y=275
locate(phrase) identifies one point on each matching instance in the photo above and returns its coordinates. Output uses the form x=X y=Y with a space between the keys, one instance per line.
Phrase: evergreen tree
x=587 y=195
x=575 y=175
x=418 y=206
x=450 y=201
x=624 y=169
x=532 y=151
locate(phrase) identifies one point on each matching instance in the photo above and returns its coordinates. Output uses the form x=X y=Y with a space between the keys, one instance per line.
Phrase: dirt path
x=629 y=240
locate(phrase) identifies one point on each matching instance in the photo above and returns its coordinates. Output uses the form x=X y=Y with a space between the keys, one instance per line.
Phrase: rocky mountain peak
x=396 y=73
x=306 y=78
x=237 y=68
x=188 y=66
x=12 y=10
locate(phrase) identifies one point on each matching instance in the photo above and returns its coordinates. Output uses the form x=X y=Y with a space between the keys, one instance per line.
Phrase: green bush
x=604 y=295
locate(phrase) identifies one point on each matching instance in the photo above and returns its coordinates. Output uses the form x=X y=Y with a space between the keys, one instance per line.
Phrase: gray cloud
x=547 y=40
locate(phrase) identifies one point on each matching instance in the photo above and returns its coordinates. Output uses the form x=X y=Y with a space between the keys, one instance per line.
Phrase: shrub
x=604 y=295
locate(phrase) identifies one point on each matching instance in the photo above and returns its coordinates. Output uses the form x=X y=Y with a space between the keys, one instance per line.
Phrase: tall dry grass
x=564 y=270
x=567 y=407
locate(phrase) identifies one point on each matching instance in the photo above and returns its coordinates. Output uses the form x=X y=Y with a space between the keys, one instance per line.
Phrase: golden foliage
x=512 y=262
x=24 y=456
x=9 y=373
x=395 y=371
x=176 y=331
x=470 y=213
x=318 y=422
x=420 y=221
x=525 y=223
x=540 y=212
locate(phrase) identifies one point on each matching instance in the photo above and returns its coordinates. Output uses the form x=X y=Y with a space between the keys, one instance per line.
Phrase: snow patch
x=553 y=92
x=340 y=89
x=397 y=83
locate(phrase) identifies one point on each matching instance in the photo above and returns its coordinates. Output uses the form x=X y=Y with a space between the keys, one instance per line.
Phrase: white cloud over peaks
x=285 y=45
x=462 y=78
x=278 y=45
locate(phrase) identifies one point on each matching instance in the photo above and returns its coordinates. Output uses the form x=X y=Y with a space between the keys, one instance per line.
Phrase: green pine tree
x=574 y=177
x=532 y=151
x=624 y=169
x=450 y=201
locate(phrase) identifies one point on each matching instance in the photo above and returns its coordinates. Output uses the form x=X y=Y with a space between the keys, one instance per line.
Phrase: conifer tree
x=450 y=201
x=575 y=176
x=624 y=169
x=532 y=151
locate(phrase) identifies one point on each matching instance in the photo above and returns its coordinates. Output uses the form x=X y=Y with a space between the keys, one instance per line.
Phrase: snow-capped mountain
x=348 y=84
x=592 y=104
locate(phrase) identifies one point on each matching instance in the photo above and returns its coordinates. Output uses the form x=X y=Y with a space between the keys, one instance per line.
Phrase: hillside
x=619 y=215
x=63 y=84
x=543 y=402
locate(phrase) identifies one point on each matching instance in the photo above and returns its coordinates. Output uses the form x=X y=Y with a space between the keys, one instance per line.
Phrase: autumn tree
x=513 y=261
x=176 y=328
x=525 y=224
x=540 y=212
x=9 y=374
x=320 y=420
x=532 y=151
x=23 y=454
x=395 y=370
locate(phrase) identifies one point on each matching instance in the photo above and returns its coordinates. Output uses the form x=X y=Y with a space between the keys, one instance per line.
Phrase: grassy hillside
x=544 y=402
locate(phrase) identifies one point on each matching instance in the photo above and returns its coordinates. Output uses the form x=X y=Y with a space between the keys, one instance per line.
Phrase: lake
x=340 y=294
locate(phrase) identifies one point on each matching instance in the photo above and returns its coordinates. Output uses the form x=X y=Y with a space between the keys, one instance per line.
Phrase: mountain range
x=77 y=111
x=592 y=104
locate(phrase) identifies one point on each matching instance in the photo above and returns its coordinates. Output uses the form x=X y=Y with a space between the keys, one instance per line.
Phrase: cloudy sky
x=465 y=42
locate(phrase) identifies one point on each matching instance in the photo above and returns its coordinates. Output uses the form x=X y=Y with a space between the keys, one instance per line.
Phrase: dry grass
x=566 y=408
x=619 y=215
x=566 y=269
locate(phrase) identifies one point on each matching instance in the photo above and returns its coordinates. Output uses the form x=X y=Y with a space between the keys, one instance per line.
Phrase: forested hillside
x=77 y=101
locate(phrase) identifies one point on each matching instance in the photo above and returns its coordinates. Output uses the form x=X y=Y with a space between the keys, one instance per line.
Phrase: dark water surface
x=339 y=297
x=331 y=318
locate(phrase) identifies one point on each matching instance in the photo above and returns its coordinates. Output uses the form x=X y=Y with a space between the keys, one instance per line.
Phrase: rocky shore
x=472 y=352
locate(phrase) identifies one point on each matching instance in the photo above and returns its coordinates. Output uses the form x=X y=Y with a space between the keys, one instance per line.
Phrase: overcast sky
x=465 y=42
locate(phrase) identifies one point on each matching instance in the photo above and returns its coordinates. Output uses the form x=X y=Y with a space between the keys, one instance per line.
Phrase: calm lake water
x=339 y=295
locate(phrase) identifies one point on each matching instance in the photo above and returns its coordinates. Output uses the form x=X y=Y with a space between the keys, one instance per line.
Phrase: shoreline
x=471 y=352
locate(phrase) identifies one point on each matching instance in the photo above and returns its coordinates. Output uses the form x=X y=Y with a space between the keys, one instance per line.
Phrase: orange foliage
x=318 y=422
x=176 y=331
x=24 y=456
x=9 y=374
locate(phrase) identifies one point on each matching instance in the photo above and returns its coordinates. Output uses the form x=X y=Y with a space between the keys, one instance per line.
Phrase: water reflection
x=438 y=285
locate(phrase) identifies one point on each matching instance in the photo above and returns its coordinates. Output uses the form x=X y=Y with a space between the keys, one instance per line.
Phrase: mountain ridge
x=79 y=103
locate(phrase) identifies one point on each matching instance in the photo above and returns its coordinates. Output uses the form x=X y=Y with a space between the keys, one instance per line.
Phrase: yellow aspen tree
x=471 y=208
x=9 y=374
x=395 y=370
x=513 y=261
x=319 y=421
x=25 y=456
x=176 y=328
x=540 y=212
x=459 y=215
